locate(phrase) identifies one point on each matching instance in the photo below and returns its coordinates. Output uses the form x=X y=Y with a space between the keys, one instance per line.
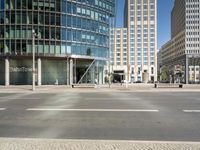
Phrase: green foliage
x=165 y=74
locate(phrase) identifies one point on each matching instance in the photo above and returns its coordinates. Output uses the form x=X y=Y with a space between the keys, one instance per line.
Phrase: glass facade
x=65 y=29
x=20 y=71
x=78 y=27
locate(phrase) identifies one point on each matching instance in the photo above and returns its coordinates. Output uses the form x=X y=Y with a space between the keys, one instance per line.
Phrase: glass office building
x=72 y=42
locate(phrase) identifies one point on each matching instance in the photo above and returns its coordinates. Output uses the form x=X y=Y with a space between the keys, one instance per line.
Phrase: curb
x=56 y=144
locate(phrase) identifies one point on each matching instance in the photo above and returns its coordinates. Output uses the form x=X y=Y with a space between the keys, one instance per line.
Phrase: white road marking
x=93 y=110
x=192 y=111
x=114 y=98
x=1 y=109
x=4 y=98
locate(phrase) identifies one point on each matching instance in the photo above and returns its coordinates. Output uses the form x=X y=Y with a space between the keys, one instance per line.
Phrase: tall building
x=140 y=20
x=182 y=53
x=72 y=40
x=177 y=17
x=119 y=54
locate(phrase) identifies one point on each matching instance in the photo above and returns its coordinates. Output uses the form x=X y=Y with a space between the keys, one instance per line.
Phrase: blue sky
x=164 y=14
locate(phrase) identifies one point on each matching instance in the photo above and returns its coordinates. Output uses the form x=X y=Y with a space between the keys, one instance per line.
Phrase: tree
x=165 y=74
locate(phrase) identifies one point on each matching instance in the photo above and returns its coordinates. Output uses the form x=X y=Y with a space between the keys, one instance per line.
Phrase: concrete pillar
x=186 y=70
x=7 y=72
x=149 y=72
x=101 y=76
x=199 y=73
x=71 y=71
x=155 y=73
x=39 y=72
x=194 y=73
x=145 y=77
x=68 y=72
x=74 y=77
x=135 y=73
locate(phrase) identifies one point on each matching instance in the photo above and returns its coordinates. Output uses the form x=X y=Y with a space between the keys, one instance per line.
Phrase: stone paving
x=53 y=144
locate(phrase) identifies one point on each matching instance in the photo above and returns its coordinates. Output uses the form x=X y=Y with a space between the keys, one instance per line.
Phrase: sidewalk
x=99 y=88
x=54 y=144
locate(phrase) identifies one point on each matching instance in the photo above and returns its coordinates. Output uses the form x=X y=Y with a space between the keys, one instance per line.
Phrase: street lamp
x=33 y=67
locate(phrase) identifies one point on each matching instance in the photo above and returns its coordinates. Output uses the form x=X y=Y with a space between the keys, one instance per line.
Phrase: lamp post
x=33 y=67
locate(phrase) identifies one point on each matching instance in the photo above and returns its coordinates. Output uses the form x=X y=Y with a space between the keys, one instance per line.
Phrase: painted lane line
x=94 y=110
x=1 y=109
x=118 y=99
x=192 y=111
x=20 y=98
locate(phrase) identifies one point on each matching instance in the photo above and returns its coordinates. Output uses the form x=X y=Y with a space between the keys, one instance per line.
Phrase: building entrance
x=88 y=71
x=118 y=76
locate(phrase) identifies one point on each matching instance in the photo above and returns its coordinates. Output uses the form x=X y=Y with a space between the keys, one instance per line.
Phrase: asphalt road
x=107 y=116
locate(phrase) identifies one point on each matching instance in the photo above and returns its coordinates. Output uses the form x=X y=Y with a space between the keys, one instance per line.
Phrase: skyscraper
x=183 y=50
x=141 y=24
x=119 y=53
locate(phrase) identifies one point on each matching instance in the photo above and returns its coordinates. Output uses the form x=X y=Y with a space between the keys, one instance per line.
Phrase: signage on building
x=20 y=69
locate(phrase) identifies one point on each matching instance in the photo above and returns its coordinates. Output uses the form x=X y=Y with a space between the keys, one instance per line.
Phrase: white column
x=68 y=72
x=101 y=77
x=149 y=71
x=199 y=73
x=71 y=71
x=33 y=65
x=186 y=70
x=39 y=72
x=156 y=69
x=7 y=72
